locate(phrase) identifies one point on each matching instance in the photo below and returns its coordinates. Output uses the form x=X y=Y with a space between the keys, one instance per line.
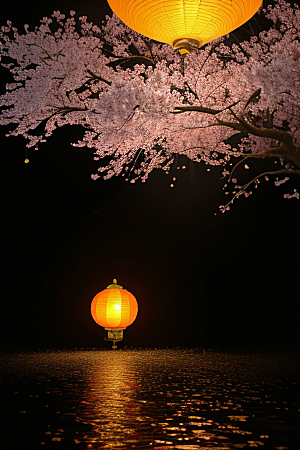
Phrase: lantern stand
x=114 y=335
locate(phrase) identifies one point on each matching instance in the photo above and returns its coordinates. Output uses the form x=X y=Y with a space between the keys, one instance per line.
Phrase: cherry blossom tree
x=140 y=102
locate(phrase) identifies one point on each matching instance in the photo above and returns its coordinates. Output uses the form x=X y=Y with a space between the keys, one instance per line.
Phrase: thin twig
x=209 y=54
x=276 y=172
x=202 y=109
x=129 y=58
x=98 y=77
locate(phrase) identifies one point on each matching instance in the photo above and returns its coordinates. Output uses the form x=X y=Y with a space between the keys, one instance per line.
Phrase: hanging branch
x=272 y=154
x=268 y=173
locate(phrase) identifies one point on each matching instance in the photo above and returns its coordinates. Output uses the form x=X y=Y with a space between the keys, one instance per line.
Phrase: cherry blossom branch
x=206 y=59
x=215 y=89
x=203 y=109
x=272 y=133
x=130 y=116
x=43 y=59
x=237 y=164
x=253 y=97
x=251 y=155
x=245 y=53
x=191 y=90
x=135 y=160
x=146 y=41
x=130 y=58
x=193 y=148
x=84 y=83
x=275 y=172
x=272 y=152
x=200 y=126
x=289 y=150
x=63 y=111
x=98 y=77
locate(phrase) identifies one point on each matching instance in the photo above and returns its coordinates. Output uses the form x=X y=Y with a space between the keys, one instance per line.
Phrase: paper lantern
x=184 y=24
x=114 y=309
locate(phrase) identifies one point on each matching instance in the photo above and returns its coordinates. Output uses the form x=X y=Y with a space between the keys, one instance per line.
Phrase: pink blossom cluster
x=127 y=91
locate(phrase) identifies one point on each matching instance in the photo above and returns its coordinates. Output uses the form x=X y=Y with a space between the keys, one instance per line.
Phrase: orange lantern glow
x=114 y=309
x=184 y=24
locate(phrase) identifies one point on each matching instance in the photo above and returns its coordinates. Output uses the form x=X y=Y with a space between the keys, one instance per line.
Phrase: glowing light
x=184 y=24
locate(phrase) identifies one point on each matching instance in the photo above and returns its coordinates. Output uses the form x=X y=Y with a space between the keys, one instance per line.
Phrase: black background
x=225 y=280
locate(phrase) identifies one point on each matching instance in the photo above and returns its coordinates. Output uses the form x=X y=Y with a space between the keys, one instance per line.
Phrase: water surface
x=149 y=399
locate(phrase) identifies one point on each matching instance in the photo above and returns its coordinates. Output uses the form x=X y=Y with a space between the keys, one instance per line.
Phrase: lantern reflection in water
x=184 y=24
x=115 y=309
x=110 y=406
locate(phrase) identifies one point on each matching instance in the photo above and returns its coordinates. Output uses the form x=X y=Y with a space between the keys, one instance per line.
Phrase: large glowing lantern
x=114 y=309
x=184 y=24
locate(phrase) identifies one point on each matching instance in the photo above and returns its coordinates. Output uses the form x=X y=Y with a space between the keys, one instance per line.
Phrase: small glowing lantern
x=184 y=24
x=114 y=309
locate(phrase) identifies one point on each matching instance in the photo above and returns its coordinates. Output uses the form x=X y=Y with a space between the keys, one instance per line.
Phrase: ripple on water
x=164 y=399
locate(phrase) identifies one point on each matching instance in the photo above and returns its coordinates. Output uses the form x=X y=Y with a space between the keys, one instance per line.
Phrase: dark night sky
x=230 y=280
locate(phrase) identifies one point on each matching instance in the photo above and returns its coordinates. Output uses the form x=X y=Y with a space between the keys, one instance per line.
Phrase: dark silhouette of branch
x=254 y=98
x=98 y=77
x=253 y=155
x=203 y=109
x=275 y=172
x=130 y=58
x=287 y=150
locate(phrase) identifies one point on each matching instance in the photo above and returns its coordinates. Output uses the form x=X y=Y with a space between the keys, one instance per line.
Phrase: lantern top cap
x=114 y=285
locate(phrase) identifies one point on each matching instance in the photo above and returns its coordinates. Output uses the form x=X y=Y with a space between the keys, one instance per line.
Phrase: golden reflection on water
x=110 y=404
x=150 y=400
x=118 y=416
